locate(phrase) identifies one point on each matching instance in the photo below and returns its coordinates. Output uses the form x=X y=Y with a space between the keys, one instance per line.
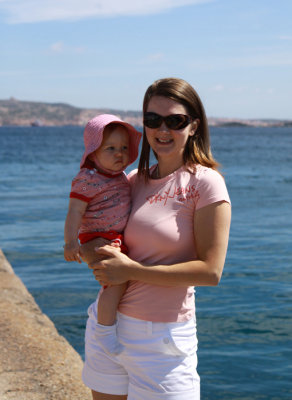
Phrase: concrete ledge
x=36 y=363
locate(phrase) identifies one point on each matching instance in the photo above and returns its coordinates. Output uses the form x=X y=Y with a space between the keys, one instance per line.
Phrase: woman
x=177 y=235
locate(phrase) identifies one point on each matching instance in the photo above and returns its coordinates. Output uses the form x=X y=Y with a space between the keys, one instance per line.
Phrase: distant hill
x=24 y=113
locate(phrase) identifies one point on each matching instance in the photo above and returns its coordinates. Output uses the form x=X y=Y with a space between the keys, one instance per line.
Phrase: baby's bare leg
x=110 y=297
x=108 y=303
x=106 y=328
x=88 y=252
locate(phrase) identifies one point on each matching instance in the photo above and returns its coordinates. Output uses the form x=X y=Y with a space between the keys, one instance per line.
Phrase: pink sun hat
x=93 y=135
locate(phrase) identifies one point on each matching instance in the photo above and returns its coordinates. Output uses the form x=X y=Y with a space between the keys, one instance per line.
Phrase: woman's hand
x=115 y=267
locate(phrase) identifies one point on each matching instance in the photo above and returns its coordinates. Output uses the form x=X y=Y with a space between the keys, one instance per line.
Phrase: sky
x=105 y=53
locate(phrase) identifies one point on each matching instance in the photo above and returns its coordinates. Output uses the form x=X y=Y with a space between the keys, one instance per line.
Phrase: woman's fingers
x=96 y=265
x=104 y=253
x=106 y=250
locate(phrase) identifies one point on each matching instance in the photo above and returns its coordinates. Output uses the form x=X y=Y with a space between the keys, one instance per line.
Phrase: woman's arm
x=211 y=224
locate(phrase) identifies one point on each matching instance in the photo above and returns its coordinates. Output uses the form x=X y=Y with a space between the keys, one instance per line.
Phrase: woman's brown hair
x=197 y=149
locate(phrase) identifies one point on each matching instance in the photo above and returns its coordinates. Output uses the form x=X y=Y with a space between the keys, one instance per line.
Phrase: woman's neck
x=165 y=169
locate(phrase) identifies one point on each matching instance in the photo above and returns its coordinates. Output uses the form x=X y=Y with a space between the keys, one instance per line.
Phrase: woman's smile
x=164 y=141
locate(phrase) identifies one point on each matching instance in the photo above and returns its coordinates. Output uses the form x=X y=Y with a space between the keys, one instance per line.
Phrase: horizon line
x=56 y=103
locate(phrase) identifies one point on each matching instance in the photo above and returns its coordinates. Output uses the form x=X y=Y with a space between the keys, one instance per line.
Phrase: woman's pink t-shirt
x=160 y=230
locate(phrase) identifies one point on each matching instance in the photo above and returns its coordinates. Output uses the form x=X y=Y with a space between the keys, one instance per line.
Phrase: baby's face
x=113 y=153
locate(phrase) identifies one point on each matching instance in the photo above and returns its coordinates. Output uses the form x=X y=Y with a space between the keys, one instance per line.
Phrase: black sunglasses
x=173 y=121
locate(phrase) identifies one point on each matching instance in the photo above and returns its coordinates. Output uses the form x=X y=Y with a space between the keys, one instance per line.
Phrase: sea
x=244 y=324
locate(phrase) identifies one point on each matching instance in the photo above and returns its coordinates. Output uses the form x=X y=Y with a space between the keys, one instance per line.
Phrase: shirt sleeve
x=211 y=188
x=82 y=187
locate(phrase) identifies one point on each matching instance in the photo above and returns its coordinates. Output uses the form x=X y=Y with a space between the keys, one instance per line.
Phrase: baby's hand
x=117 y=243
x=72 y=251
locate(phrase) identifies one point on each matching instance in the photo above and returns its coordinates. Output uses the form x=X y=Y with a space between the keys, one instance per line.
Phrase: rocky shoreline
x=15 y=112
x=36 y=363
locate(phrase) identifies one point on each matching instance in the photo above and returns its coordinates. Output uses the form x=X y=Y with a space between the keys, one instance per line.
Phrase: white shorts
x=158 y=361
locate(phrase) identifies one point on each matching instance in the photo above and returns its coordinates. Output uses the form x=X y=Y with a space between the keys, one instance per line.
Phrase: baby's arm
x=72 y=224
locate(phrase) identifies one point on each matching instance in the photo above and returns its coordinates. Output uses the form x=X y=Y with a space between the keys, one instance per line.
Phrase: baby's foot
x=107 y=338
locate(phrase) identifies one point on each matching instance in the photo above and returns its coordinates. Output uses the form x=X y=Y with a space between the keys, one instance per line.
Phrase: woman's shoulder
x=210 y=185
x=199 y=174
x=203 y=173
x=132 y=176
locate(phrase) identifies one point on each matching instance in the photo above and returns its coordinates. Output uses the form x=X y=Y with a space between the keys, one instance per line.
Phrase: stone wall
x=36 y=363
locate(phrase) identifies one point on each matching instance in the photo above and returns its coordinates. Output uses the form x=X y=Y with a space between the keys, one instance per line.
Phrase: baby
x=100 y=204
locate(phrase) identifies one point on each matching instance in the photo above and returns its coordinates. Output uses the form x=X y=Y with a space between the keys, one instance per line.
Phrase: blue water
x=244 y=324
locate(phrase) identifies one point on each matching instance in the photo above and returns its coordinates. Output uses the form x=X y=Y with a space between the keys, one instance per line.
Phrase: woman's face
x=167 y=143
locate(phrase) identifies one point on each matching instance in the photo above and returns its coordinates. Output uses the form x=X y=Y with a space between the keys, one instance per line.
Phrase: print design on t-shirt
x=180 y=193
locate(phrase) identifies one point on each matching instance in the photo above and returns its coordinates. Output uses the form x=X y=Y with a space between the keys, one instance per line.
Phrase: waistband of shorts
x=156 y=326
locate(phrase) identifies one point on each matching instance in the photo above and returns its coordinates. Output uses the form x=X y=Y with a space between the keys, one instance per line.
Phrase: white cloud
x=60 y=48
x=271 y=59
x=156 y=57
x=239 y=89
x=251 y=90
x=57 y=47
x=218 y=88
x=11 y=73
x=153 y=58
x=263 y=59
x=79 y=50
x=285 y=37
x=27 y=11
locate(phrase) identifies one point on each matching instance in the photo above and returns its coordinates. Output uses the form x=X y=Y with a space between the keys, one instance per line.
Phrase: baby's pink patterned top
x=108 y=198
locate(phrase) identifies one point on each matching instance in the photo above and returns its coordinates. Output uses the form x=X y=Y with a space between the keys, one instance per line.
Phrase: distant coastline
x=15 y=112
